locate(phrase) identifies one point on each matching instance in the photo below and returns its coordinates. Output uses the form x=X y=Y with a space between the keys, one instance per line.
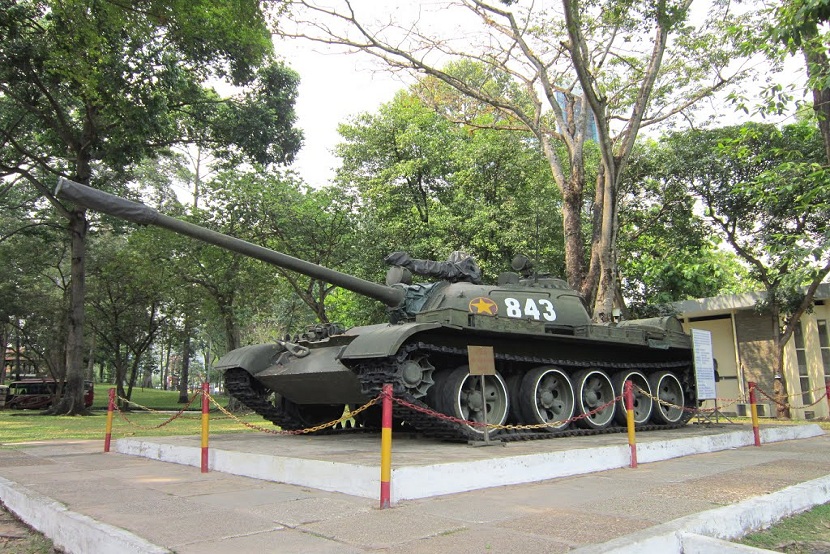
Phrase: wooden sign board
x=482 y=360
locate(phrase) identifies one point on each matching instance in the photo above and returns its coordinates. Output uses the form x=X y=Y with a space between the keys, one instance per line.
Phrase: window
x=824 y=343
x=803 y=374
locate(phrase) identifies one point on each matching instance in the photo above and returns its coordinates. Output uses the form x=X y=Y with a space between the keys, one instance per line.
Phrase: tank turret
x=556 y=371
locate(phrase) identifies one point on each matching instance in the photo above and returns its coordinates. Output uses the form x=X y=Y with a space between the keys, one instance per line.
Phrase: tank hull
x=350 y=369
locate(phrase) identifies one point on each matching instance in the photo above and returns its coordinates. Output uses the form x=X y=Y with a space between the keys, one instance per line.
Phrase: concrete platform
x=424 y=468
x=90 y=502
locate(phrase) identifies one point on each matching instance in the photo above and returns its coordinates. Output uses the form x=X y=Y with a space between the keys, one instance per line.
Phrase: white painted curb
x=706 y=532
x=73 y=532
x=424 y=481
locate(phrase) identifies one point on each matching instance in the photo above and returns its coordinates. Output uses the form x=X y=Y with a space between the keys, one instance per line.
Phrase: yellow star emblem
x=483 y=305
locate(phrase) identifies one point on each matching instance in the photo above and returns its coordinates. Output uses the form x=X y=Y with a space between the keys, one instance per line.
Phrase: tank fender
x=253 y=359
x=383 y=340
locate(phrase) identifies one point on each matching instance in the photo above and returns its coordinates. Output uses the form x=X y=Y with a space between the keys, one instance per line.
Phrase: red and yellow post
x=110 y=410
x=386 y=448
x=205 y=424
x=628 y=395
x=754 y=409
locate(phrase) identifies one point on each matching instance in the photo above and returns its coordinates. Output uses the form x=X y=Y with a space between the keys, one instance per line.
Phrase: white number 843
x=530 y=309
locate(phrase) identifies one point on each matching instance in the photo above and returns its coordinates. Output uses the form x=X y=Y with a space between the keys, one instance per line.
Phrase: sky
x=334 y=87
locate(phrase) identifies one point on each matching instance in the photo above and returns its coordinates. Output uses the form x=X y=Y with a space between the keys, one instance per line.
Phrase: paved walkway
x=178 y=508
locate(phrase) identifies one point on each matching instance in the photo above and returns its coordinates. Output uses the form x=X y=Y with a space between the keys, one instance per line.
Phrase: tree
x=33 y=279
x=277 y=211
x=613 y=67
x=667 y=249
x=800 y=26
x=86 y=86
x=428 y=183
x=129 y=296
x=766 y=192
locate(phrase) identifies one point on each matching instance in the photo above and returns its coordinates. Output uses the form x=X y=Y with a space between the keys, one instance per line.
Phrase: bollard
x=205 y=424
x=754 y=410
x=628 y=393
x=386 y=448
x=110 y=409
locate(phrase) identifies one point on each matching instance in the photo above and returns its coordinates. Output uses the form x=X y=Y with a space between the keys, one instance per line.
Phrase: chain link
x=147 y=409
x=178 y=414
x=348 y=415
x=481 y=424
x=345 y=417
x=794 y=395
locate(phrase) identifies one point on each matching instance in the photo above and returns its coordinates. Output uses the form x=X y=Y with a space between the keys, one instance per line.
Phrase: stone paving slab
x=178 y=508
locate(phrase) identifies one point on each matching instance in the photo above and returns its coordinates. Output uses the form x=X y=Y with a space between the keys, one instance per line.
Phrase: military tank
x=555 y=369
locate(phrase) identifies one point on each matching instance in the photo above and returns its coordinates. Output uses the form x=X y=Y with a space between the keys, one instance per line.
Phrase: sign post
x=482 y=362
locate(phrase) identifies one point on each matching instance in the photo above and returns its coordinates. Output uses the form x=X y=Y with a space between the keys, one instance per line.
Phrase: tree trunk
x=184 y=378
x=818 y=65
x=782 y=405
x=72 y=402
x=572 y=225
x=165 y=372
x=607 y=286
x=4 y=340
x=233 y=342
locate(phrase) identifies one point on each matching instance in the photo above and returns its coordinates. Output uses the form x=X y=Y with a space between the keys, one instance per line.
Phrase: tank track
x=375 y=373
x=241 y=385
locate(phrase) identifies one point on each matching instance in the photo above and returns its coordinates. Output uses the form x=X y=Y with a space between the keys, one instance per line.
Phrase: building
x=743 y=344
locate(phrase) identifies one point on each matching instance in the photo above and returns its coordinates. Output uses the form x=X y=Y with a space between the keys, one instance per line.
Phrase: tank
x=552 y=363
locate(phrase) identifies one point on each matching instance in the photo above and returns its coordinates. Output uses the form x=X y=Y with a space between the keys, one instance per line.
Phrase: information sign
x=482 y=361
x=704 y=364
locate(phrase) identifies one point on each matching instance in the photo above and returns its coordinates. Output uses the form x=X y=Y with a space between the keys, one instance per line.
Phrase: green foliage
x=667 y=251
x=797 y=21
x=129 y=297
x=767 y=194
x=126 y=81
x=33 y=280
x=430 y=186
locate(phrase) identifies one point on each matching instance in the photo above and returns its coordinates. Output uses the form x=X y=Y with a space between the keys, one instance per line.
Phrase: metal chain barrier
x=794 y=395
x=345 y=417
x=178 y=414
x=481 y=424
x=148 y=409
x=349 y=415
x=675 y=406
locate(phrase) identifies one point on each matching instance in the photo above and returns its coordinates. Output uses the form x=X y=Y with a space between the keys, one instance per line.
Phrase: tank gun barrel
x=144 y=215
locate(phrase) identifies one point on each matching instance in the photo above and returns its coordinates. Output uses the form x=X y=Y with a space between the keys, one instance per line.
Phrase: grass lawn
x=808 y=532
x=153 y=398
x=17 y=426
x=29 y=425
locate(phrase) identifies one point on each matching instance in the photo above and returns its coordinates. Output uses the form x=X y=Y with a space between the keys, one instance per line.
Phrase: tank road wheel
x=460 y=397
x=416 y=375
x=546 y=395
x=666 y=387
x=593 y=389
x=311 y=415
x=643 y=406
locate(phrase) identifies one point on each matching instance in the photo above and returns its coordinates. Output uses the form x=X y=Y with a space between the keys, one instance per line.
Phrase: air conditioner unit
x=764 y=409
